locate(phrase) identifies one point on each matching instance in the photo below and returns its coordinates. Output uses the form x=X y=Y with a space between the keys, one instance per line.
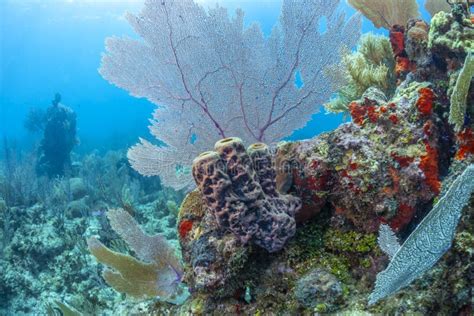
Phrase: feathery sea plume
x=372 y=65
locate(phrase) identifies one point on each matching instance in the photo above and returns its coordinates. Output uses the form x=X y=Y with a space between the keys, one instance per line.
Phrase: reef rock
x=78 y=188
x=451 y=33
x=319 y=289
x=212 y=256
x=371 y=171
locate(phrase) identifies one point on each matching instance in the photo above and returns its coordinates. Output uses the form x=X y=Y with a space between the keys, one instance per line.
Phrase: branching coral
x=459 y=94
x=157 y=273
x=371 y=66
x=387 y=13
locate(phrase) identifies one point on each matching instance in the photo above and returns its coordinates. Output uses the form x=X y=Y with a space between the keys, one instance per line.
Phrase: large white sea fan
x=213 y=78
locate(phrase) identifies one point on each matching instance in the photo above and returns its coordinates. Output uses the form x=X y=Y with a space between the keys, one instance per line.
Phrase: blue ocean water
x=50 y=46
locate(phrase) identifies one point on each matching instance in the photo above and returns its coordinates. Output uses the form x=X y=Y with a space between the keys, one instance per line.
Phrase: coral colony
x=375 y=217
x=212 y=78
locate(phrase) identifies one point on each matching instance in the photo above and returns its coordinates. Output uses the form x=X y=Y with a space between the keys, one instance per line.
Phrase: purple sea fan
x=214 y=78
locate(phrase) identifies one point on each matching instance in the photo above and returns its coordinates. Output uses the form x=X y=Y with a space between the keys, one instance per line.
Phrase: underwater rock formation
x=212 y=257
x=58 y=140
x=319 y=290
x=369 y=170
x=451 y=33
x=416 y=46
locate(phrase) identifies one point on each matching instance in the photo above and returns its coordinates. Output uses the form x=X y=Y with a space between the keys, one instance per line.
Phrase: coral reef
x=284 y=229
x=451 y=33
x=417 y=43
x=44 y=256
x=376 y=163
x=193 y=68
x=383 y=171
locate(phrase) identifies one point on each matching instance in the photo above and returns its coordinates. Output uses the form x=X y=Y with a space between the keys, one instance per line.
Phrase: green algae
x=307 y=243
x=350 y=241
x=339 y=266
x=321 y=308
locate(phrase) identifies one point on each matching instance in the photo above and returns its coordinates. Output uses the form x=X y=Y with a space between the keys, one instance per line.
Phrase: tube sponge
x=238 y=186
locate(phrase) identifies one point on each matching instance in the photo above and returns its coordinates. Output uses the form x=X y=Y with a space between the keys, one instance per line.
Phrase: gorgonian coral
x=427 y=243
x=158 y=272
x=213 y=77
x=372 y=65
x=387 y=13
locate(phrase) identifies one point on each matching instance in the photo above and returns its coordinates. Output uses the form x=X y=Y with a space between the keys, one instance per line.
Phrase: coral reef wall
x=386 y=168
